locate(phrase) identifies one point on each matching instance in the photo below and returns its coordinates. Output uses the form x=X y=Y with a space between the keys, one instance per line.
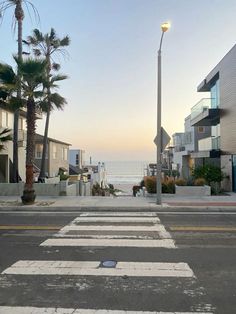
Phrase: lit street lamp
x=164 y=28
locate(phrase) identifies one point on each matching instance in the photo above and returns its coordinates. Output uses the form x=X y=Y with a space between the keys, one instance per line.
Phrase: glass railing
x=216 y=143
x=201 y=106
x=209 y=143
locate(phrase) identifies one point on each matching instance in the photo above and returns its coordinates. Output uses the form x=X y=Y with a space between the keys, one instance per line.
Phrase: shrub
x=63 y=177
x=168 y=186
x=150 y=184
x=180 y=182
x=210 y=173
x=200 y=182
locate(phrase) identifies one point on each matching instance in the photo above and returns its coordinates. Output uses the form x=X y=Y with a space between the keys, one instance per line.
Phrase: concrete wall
x=226 y=167
x=193 y=190
x=48 y=189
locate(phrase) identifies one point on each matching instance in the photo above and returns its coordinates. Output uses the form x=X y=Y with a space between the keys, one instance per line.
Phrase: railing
x=209 y=143
x=201 y=106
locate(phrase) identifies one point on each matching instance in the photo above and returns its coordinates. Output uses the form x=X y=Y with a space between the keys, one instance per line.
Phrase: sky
x=112 y=67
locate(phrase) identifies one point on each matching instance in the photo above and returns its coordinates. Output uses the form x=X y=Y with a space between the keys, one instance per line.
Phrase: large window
x=215 y=95
x=38 y=151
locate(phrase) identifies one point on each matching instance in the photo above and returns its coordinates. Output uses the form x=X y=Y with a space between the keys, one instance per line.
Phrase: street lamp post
x=164 y=28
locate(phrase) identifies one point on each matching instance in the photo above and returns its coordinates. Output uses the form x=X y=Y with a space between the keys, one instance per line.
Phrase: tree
x=19 y=17
x=49 y=45
x=32 y=78
x=5 y=136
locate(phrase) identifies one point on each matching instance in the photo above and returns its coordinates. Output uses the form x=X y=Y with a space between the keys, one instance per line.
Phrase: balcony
x=203 y=115
x=208 y=148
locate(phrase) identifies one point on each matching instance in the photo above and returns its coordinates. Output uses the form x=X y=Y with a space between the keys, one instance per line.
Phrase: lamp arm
x=159 y=51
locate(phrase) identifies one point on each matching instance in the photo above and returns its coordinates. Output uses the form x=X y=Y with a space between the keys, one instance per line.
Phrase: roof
x=39 y=138
x=73 y=170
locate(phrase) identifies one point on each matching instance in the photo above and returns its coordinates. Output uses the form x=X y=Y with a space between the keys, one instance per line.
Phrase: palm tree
x=32 y=73
x=19 y=17
x=48 y=45
x=5 y=136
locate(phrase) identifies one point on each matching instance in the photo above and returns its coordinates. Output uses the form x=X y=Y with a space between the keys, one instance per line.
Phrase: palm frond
x=59 y=77
x=57 y=100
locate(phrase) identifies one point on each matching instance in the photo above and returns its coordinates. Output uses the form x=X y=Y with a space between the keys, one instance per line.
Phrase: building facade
x=6 y=155
x=57 y=156
x=77 y=158
x=218 y=111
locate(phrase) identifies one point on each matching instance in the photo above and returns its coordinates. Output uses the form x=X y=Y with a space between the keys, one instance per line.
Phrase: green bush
x=210 y=173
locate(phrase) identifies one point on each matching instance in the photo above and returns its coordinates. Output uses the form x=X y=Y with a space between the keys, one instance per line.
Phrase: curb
x=151 y=208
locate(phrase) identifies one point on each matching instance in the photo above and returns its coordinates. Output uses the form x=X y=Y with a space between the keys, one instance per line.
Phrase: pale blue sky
x=111 y=93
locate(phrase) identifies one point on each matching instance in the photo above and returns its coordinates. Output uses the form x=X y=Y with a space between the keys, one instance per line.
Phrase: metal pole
x=158 y=174
x=158 y=177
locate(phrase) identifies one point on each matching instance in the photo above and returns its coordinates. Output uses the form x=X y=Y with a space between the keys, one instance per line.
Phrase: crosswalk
x=104 y=285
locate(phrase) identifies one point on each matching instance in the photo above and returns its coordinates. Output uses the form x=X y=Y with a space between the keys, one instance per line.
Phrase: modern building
x=218 y=111
x=57 y=156
x=186 y=145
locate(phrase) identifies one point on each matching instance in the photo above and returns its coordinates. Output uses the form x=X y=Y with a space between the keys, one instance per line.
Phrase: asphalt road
x=204 y=242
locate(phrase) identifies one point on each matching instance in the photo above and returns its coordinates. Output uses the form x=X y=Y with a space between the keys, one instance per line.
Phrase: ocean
x=124 y=174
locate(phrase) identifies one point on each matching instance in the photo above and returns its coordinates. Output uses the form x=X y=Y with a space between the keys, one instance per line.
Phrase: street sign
x=165 y=138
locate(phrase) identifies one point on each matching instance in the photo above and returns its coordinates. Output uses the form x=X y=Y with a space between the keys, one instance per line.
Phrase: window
x=77 y=159
x=4 y=119
x=64 y=153
x=215 y=95
x=38 y=151
x=7 y=119
x=201 y=129
x=54 y=152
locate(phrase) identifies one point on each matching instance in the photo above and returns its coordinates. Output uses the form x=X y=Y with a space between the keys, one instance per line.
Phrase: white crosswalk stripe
x=92 y=269
x=89 y=223
x=35 y=310
x=104 y=230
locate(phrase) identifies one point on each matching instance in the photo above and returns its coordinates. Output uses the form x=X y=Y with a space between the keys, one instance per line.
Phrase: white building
x=77 y=158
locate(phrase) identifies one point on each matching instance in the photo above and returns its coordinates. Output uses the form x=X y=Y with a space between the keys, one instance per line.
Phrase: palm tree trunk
x=19 y=14
x=42 y=174
x=29 y=193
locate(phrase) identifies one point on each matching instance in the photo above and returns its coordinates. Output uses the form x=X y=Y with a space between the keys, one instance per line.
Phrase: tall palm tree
x=32 y=79
x=47 y=46
x=5 y=136
x=19 y=17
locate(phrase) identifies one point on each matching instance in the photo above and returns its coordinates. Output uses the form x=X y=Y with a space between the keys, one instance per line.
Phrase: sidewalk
x=169 y=202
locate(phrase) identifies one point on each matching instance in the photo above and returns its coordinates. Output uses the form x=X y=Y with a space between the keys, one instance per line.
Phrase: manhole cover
x=108 y=264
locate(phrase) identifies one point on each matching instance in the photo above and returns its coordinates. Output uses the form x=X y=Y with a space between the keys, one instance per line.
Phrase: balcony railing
x=209 y=143
x=201 y=106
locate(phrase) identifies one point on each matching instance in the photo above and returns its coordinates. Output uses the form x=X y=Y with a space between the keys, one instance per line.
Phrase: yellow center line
x=203 y=228
x=20 y=227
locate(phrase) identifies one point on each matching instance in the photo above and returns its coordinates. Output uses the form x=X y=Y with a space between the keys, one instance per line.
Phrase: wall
x=226 y=166
x=227 y=84
x=58 y=162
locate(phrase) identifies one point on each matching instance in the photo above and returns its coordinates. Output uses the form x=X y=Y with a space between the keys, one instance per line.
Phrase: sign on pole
x=165 y=138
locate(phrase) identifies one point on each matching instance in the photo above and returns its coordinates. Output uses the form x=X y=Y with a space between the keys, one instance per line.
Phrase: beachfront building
x=6 y=155
x=218 y=112
x=185 y=145
x=57 y=157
